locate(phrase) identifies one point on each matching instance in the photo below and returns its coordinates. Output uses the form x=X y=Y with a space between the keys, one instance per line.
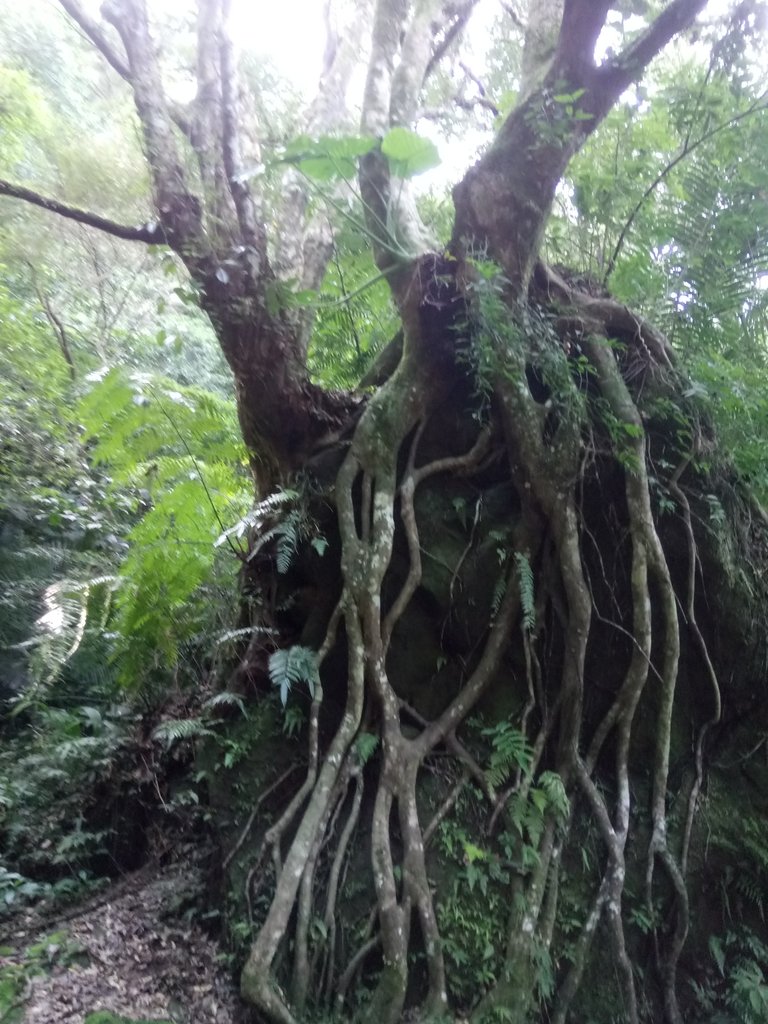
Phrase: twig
x=252 y=817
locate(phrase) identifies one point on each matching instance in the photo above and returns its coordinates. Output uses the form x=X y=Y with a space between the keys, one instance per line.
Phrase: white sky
x=291 y=34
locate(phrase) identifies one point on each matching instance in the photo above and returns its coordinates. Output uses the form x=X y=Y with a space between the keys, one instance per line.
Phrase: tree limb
x=451 y=32
x=248 y=215
x=618 y=74
x=150 y=233
x=57 y=326
x=93 y=30
x=179 y=209
x=582 y=23
x=503 y=202
x=95 y=33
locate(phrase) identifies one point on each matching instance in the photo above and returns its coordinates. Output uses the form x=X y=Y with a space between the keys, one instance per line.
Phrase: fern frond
x=527 y=590
x=510 y=750
x=240 y=634
x=175 y=730
x=226 y=699
x=292 y=665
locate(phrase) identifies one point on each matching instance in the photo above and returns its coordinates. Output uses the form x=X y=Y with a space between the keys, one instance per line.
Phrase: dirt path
x=129 y=955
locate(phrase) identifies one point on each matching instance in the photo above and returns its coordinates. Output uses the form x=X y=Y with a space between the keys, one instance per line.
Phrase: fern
x=228 y=635
x=178 y=729
x=553 y=790
x=172 y=554
x=292 y=525
x=292 y=665
x=289 y=532
x=255 y=519
x=133 y=419
x=179 y=448
x=351 y=326
x=365 y=746
x=527 y=590
x=509 y=750
x=73 y=610
x=226 y=699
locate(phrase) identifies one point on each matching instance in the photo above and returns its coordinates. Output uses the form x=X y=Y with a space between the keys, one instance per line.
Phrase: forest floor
x=127 y=953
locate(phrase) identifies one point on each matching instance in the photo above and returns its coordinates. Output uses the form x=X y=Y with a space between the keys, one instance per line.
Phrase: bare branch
x=504 y=201
x=540 y=39
x=517 y=21
x=426 y=41
x=451 y=33
x=55 y=321
x=616 y=75
x=248 y=215
x=304 y=238
x=207 y=115
x=341 y=58
x=152 y=234
x=180 y=211
x=400 y=51
x=388 y=26
x=375 y=182
x=95 y=33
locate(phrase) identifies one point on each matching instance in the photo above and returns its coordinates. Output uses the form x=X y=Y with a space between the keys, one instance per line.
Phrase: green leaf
x=473 y=853
x=327 y=158
x=409 y=153
x=568 y=97
x=365 y=745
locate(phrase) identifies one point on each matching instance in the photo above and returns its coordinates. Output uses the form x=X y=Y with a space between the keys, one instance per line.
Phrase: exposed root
x=690 y=609
x=311 y=840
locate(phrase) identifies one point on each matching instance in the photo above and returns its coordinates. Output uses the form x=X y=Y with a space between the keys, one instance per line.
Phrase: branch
x=504 y=201
x=248 y=214
x=425 y=43
x=450 y=33
x=341 y=59
x=617 y=75
x=57 y=325
x=388 y=26
x=517 y=21
x=582 y=23
x=95 y=33
x=179 y=209
x=304 y=236
x=150 y=233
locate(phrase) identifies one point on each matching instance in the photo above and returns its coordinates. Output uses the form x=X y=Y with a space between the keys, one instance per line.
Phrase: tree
x=550 y=396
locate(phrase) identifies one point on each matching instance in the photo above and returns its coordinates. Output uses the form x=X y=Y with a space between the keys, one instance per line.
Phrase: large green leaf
x=409 y=153
x=328 y=158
